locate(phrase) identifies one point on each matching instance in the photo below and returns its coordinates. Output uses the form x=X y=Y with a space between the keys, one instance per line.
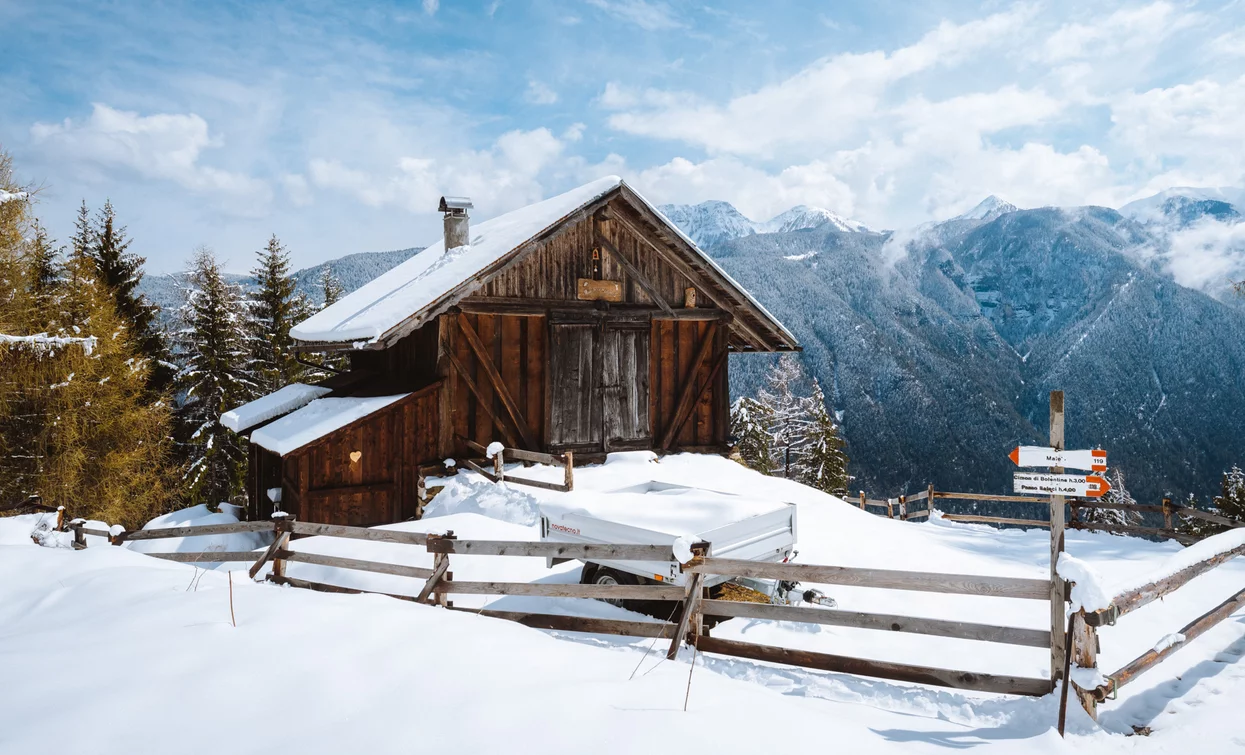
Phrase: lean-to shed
x=586 y=322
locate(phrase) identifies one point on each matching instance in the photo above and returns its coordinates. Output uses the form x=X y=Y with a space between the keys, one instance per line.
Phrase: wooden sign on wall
x=594 y=290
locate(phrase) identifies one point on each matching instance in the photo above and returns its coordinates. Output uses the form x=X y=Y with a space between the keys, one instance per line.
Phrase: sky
x=337 y=126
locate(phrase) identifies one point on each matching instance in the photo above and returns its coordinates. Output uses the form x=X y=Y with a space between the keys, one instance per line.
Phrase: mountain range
x=938 y=346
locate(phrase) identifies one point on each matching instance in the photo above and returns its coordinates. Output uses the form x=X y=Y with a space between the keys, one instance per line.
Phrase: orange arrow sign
x=1101 y=482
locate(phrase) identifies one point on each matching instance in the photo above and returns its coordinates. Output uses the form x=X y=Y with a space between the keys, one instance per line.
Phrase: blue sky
x=336 y=126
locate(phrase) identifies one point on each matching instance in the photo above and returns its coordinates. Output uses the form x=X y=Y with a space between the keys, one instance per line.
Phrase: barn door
x=574 y=386
x=624 y=386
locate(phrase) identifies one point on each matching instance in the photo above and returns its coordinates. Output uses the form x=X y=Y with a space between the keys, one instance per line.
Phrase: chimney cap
x=455 y=205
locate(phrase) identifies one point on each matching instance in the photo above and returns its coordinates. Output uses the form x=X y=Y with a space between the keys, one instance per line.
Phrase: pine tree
x=45 y=278
x=750 y=425
x=1231 y=500
x=217 y=377
x=1118 y=494
x=332 y=287
x=274 y=309
x=121 y=271
x=822 y=463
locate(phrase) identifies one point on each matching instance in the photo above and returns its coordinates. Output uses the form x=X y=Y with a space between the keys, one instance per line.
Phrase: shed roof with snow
x=416 y=291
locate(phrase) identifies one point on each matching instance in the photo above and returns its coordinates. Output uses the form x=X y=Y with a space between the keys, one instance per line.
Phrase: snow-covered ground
x=107 y=650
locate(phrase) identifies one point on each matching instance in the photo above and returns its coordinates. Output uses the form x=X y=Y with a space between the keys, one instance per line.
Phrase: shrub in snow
x=1118 y=494
x=750 y=423
x=1229 y=503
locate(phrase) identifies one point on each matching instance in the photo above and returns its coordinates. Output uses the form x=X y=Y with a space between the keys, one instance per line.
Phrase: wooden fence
x=498 y=473
x=690 y=603
x=1083 y=625
x=1173 y=513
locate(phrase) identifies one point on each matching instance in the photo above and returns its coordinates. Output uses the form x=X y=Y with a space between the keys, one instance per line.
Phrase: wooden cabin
x=587 y=322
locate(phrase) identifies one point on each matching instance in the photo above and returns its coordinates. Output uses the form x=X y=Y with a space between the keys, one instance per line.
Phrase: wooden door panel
x=625 y=388
x=574 y=387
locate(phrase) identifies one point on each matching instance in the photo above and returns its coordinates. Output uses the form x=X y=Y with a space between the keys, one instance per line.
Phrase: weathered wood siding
x=365 y=473
x=408 y=365
x=263 y=473
x=674 y=347
x=516 y=345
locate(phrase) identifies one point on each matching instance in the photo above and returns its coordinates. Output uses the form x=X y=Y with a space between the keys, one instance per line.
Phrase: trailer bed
x=659 y=513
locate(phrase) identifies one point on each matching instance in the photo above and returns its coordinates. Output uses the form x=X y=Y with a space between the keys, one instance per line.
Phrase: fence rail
x=692 y=604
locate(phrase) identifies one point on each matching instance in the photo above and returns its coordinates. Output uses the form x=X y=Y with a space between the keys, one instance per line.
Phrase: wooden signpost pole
x=1058 y=640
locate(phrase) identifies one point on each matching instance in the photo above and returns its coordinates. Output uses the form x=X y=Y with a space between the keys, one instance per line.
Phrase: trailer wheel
x=587 y=574
x=607 y=576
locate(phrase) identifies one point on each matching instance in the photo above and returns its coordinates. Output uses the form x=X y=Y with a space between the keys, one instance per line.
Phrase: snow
x=198 y=516
x=493 y=449
x=683 y=549
x=1088 y=591
x=349 y=664
x=317 y=419
x=282 y=401
x=801 y=217
x=1175 y=638
x=369 y=312
x=12 y=196
x=1200 y=551
x=42 y=342
x=988 y=209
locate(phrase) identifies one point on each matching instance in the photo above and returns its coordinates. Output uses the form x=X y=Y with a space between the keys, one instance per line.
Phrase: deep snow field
x=107 y=650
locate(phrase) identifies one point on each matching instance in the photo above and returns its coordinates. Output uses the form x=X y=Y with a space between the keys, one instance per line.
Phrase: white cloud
x=296 y=189
x=1127 y=30
x=165 y=146
x=646 y=15
x=539 y=93
x=1207 y=255
x=498 y=179
x=824 y=104
x=431 y=6
x=1230 y=45
x=573 y=132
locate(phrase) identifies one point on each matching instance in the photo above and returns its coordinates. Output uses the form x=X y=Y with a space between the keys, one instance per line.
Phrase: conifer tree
x=822 y=463
x=121 y=271
x=45 y=278
x=332 y=287
x=751 y=421
x=217 y=377
x=1231 y=500
x=274 y=309
x=1118 y=494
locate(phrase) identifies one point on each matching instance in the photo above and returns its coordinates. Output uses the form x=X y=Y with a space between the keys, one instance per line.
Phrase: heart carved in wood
x=355 y=456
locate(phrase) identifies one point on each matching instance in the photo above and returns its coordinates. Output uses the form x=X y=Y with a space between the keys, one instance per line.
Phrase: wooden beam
x=359 y=533
x=376 y=567
x=440 y=566
x=976 y=519
x=691 y=597
x=205 y=529
x=542 y=590
x=687 y=395
x=481 y=402
x=1009 y=685
x=1038 y=638
x=278 y=543
x=1123 y=529
x=474 y=467
x=375 y=487
x=989 y=497
x=686 y=270
x=887 y=579
x=1130 y=601
x=499 y=385
x=523 y=307
x=605 y=552
x=631 y=269
x=556 y=487
x=1191 y=631
x=560 y=623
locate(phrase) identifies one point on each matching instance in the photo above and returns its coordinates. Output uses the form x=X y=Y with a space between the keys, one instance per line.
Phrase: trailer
x=665 y=513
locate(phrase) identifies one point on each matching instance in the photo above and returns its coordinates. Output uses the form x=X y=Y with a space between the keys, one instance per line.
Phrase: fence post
x=79 y=537
x=284 y=524
x=1167 y=513
x=568 y=478
x=421 y=493
x=1085 y=650
x=862 y=500
x=1058 y=642
x=890 y=508
x=499 y=465
x=60 y=518
x=903 y=507
x=929 y=503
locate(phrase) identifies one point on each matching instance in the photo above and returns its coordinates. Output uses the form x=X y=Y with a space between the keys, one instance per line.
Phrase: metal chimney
x=457 y=230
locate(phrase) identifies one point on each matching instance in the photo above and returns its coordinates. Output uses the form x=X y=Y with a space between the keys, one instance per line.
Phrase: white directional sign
x=1086 y=486
x=1041 y=456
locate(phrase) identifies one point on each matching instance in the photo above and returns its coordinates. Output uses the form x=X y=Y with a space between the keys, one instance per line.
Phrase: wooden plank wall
x=552 y=270
x=674 y=345
x=409 y=364
x=263 y=472
x=517 y=345
x=324 y=484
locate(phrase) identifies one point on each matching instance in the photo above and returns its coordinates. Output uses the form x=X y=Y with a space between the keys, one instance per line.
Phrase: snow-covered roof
x=316 y=420
x=382 y=304
x=435 y=274
x=275 y=404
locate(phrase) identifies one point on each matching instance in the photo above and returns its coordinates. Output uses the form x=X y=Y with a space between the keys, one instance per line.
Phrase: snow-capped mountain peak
x=1183 y=205
x=988 y=209
x=715 y=221
x=801 y=217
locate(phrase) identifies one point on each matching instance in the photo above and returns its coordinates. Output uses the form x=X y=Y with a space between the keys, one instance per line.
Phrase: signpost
x=1081 y=486
x=1040 y=456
